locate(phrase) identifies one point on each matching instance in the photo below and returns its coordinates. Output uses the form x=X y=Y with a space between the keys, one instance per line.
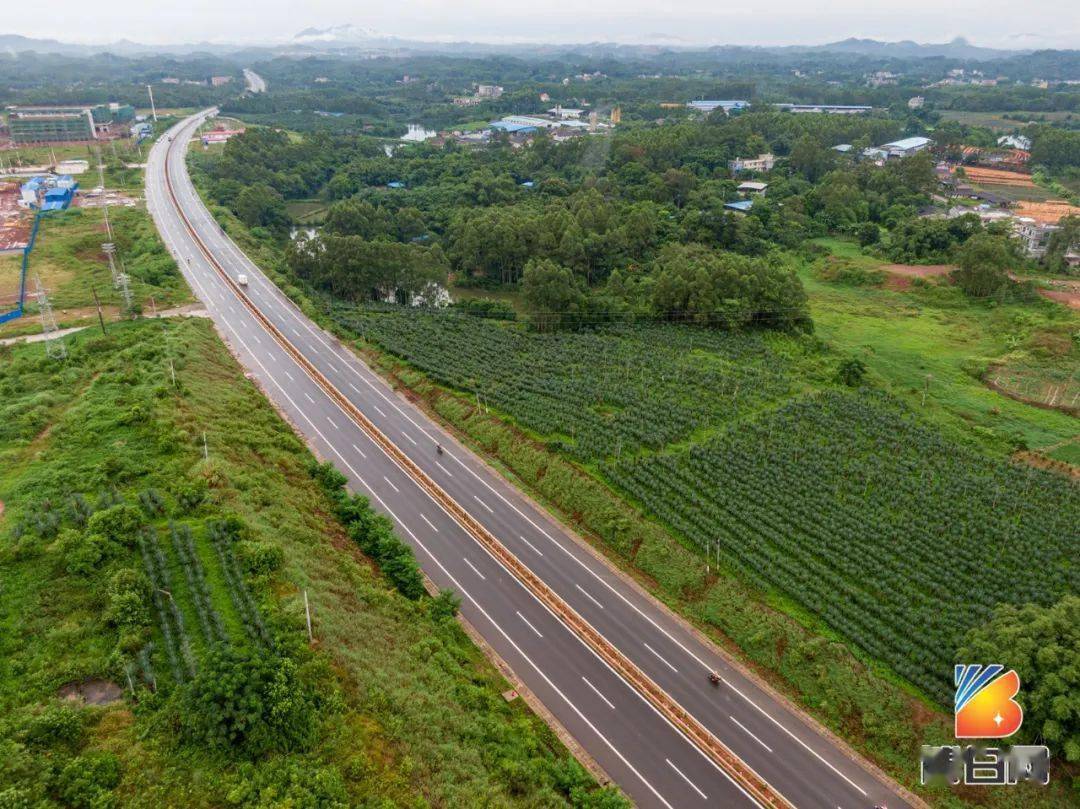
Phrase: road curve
x=649 y=759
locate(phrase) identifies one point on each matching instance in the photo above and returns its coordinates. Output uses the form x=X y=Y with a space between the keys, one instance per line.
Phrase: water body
x=418 y=133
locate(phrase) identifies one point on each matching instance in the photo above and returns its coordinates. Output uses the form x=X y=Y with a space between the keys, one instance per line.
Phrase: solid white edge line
x=437 y=562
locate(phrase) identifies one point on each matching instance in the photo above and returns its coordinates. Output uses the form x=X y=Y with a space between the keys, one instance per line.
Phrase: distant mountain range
x=345 y=38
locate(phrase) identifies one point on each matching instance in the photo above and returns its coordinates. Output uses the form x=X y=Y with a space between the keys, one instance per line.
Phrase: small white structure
x=752 y=188
x=916 y=102
x=1015 y=142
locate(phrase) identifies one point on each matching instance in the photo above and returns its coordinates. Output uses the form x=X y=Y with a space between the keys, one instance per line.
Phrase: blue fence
x=18 y=310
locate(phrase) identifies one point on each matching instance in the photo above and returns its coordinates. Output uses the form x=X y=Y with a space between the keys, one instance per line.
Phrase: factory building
x=59 y=124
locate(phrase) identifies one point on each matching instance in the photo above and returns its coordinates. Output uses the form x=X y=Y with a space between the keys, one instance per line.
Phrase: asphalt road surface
x=645 y=755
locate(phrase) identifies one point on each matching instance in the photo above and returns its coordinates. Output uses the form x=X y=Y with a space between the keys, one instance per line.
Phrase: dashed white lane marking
x=379 y=411
x=474 y=570
x=430 y=524
x=748 y=733
x=411 y=441
x=535 y=549
x=362 y=455
x=588 y=595
x=308 y=395
x=391 y=484
x=528 y=624
x=290 y=376
x=485 y=505
x=597 y=692
x=331 y=422
x=444 y=469
x=662 y=660
x=687 y=780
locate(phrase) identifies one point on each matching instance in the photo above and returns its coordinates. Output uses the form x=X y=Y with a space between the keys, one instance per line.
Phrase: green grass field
x=69 y=260
x=932 y=341
x=996 y=121
x=408 y=712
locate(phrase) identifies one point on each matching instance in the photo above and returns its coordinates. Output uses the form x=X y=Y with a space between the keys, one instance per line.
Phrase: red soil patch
x=1047 y=213
x=1070 y=299
x=918 y=270
x=981 y=176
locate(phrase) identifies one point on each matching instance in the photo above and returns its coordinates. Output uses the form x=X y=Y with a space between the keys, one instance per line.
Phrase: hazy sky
x=998 y=23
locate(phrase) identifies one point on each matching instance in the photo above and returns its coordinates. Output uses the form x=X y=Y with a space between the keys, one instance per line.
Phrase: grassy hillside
x=155 y=543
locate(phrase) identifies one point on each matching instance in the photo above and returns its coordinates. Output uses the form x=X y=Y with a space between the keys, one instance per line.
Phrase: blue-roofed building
x=49 y=192
x=740 y=206
x=395 y=184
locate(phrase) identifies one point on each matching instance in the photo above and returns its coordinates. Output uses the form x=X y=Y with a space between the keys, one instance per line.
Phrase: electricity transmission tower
x=54 y=343
x=120 y=278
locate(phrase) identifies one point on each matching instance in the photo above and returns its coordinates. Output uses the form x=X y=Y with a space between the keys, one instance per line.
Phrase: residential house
x=763 y=162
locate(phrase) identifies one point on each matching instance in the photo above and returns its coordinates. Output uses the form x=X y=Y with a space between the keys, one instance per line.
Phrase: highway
x=655 y=764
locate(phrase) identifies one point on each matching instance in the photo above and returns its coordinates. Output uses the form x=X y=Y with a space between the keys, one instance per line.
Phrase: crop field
x=597 y=395
x=850 y=504
x=898 y=538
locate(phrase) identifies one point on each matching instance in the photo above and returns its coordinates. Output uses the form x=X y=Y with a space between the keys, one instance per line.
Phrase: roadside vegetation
x=158 y=539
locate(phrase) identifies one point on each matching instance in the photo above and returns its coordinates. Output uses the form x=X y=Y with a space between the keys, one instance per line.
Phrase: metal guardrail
x=698 y=734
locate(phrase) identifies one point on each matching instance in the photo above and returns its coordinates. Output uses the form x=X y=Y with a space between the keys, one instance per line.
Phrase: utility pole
x=153 y=109
x=97 y=303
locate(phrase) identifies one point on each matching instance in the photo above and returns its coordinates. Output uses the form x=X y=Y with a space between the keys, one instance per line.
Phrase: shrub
x=191 y=494
x=57 y=724
x=249 y=702
x=84 y=554
x=261 y=558
x=85 y=781
x=120 y=523
x=129 y=599
x=445 y=605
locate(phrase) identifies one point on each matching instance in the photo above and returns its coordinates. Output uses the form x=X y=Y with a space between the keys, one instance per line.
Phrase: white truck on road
x=241 y=279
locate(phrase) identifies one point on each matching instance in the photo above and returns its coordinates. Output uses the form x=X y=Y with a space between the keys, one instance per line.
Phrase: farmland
x=738 y=439
x=866 y=516
x=156 y=539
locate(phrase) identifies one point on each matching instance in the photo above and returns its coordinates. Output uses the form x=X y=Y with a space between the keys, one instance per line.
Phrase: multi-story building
x=763 y=162
x=1034 y=235
x=488 y=91
x=50 y=124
